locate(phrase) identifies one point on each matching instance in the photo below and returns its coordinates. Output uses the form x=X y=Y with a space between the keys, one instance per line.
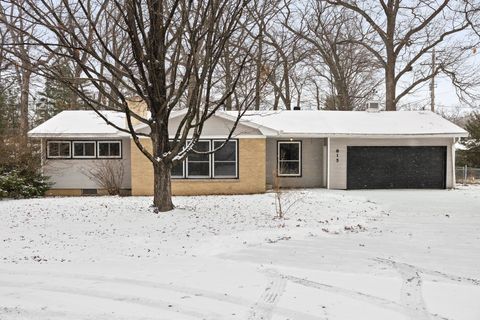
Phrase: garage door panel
x=396 y=167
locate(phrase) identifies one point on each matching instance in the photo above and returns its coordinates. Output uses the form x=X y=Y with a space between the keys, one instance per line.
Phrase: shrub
x=108 y=174
x=16 y=184
x=19 y=168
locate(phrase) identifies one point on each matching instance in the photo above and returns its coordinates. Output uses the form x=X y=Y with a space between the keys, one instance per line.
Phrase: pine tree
x=56 y=96
x=8 y=110
x=472 y=154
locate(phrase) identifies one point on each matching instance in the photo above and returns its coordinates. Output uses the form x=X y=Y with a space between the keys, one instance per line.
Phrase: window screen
x=109 y=149
x=199 y=164
x=225 y=159
x=58 y=149
x=84 y=149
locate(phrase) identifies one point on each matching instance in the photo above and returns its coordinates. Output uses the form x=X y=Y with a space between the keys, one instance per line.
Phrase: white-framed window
x=59 y=149
x=109 y=149
x=84 y=149
x=225 y=161
x=289 y=158
x=198 y=165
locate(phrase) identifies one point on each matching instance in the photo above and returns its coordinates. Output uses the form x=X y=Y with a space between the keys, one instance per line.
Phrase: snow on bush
x=22 y=184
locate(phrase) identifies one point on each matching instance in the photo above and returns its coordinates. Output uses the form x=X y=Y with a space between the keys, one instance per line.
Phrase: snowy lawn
x=405 y=254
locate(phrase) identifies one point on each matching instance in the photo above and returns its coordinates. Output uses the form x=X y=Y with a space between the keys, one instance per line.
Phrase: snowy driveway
x=340 y=255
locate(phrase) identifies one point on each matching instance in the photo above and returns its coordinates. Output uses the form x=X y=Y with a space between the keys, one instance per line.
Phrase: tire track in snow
x=447 y=276
x=21 y=313
x=378 y=301
x=123 y=298
x=381 y=302
x=263 y=309
x=247 y=303
x=411 y=292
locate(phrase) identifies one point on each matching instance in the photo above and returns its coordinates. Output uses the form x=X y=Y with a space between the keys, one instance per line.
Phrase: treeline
x=330 y=54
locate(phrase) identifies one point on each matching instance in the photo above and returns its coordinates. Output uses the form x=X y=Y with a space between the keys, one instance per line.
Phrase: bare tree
x=288 y=53
x=21 y=56
x=263 y=14
x=405 y=33
x=285 y=200
x=302 y=53
x=349 y=70
x=175 y=48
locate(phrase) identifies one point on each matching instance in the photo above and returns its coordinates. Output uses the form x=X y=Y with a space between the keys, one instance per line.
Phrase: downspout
x=328 y=163
x=454 y=182
x=42 y=156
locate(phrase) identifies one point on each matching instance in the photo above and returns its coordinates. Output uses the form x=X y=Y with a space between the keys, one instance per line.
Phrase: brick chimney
x=138 y=106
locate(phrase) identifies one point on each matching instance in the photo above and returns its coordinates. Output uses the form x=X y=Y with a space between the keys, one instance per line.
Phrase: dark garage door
x=396 y=167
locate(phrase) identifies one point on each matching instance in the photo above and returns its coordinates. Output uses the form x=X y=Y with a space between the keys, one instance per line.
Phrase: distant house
x=304 y=149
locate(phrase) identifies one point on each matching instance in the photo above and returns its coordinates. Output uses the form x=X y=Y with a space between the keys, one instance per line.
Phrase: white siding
x=338 y=170
x=70 y=173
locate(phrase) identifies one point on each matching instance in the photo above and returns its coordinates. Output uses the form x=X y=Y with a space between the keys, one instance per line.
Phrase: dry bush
x=284 y=200
x=108 y=174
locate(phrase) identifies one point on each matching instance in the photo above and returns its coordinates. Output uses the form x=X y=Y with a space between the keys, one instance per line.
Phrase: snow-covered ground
x=405 y=254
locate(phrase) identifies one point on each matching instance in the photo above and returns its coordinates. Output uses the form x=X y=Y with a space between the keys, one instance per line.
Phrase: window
x=84 y=149
x=289 y=158
x=109 y=149
x=198 y=165
x=221 y=164
x=225 y=159
x=59 y=149
x=178 y=169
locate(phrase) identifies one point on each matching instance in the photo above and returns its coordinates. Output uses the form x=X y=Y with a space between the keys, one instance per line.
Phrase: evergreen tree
x=56 y=96
x=8 y=110
x=471 y=156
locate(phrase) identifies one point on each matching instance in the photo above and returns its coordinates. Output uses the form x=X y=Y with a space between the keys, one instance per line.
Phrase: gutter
x=372 y=136
x=78 y=135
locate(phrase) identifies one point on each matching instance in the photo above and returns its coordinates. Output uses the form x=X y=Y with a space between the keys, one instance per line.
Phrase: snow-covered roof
x=351 y=123
x=298 y=123
x=81 y=123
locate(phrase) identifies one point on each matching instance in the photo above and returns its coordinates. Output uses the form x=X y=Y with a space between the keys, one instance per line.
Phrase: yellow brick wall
x=251 y=173
x=139 y=107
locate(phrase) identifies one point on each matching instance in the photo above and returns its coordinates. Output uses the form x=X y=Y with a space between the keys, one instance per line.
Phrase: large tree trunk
x=259 y=69
x=24 y=98
x=162 y=187
x=288 y=100
x=390 y=86
x=343 y=96
x=390 y=83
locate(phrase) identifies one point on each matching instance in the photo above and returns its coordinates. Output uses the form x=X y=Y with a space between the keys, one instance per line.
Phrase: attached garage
x=391 y=167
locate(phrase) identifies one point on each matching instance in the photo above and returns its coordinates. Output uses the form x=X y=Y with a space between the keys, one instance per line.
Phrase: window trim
x=110 y=157
x=84 y=141
x=299 y=174
x=59 y=157
x=236 y=160
x=209 y=176
x=211 y=164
